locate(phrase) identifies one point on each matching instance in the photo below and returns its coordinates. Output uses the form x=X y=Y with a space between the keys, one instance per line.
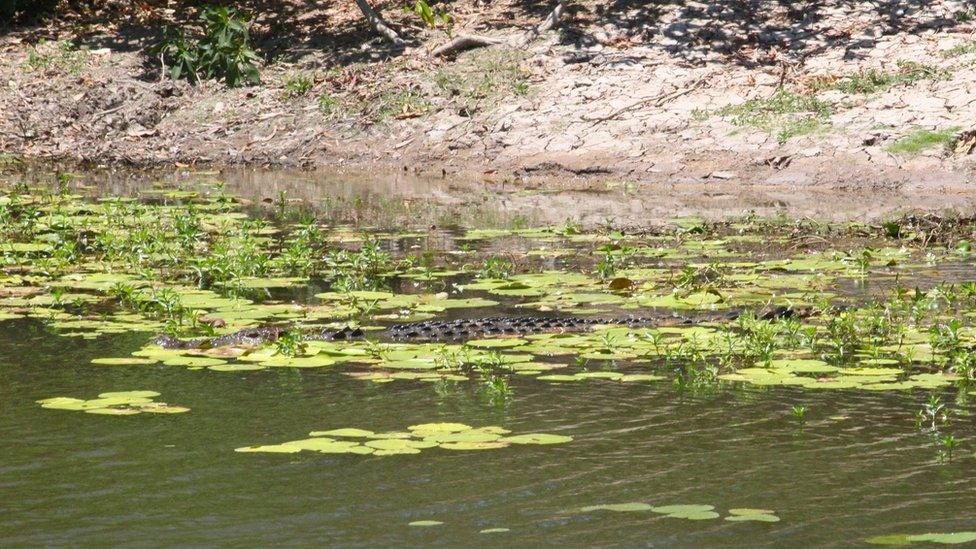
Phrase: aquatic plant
x=799 y=413
x=448 y=436
x=495 y=267
x=118 y=403
x=947 y=444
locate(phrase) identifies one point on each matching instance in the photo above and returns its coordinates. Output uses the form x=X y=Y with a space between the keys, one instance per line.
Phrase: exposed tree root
x=380 y=25
x=464 y=42
x=552 y=21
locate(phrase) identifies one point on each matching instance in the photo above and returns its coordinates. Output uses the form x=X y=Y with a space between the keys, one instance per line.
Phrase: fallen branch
x=464 y=42
x=378 y=24
x=657 y=100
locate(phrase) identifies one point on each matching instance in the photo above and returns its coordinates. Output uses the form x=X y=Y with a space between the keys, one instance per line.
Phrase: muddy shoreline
x=815 y=106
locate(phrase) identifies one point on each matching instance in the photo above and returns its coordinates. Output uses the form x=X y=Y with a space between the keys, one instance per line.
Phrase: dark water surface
x=77 y=479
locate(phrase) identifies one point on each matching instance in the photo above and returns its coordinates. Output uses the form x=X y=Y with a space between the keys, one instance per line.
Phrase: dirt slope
x=871 y=94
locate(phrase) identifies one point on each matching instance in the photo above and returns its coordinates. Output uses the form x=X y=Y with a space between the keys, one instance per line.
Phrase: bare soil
x=623 y=91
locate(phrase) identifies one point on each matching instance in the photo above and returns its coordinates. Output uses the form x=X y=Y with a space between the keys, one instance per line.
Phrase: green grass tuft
x=960 y=50
x=921 y=140
x=786 y=113
x=297 y=84
x=873 y=81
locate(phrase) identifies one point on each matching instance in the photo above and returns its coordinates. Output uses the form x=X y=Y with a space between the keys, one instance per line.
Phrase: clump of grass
x=7 y=159
x=965 y=15
x=873 y=81
x=484 y=80
x=789 y=114
x=400 y=104
x=960 y=50
x=297 y=84
x=797 y=128
x=921 y=140
x=65 y=57
x=329 y=104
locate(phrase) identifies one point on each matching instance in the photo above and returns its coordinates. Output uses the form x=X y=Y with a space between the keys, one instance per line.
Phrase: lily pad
x=537 y=438
x=440 y=427
x=688 y=512
x=346 y=432
x=473 y=445
x=195 y=361
x=130 y=394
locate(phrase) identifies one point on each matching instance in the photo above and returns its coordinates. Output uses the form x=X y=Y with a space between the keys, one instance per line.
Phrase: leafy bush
x=426 y=13
x=223 y=51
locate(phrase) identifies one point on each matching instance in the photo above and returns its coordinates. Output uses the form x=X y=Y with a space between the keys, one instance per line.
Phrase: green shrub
x=429 y=15
x=224 y=51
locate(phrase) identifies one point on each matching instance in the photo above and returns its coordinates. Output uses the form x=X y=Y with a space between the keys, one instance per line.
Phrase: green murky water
x=826 y=423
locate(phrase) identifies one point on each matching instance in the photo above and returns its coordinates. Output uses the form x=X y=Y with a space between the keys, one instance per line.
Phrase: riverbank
x=838 y=97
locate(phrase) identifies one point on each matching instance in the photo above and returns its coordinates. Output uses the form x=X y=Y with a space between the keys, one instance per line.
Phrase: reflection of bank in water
x=397 y=199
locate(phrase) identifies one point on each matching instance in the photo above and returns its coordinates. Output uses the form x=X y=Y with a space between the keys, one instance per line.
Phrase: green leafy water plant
x=448 y=436
x=120 y=403
x=799 y=413
x=949 y=538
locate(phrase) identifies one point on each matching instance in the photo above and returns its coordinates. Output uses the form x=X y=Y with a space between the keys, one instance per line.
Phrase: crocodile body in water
x=463 y=329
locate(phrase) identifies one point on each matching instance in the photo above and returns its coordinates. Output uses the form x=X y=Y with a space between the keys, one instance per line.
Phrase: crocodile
x=465 y=329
